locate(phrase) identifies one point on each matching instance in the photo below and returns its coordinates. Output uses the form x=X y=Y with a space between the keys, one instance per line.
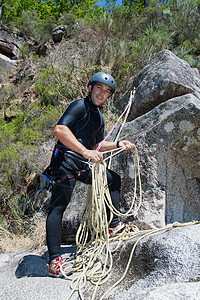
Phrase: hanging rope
x=126 y=110
x=94 y=255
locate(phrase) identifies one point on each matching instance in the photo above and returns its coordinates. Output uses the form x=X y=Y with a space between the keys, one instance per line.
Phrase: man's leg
x=61 y=195
x=114 y=185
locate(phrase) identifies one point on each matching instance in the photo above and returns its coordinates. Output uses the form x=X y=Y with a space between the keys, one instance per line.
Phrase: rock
x=165 y=77
x=73 y=213
x=10 y=45
x=44 y=155
x=60 y=27
x=171 y=291
x=42 y=50
x=6 y=63
x=165 y=265
x=9 y=49
x=168 y=140
x=166 y=259
x=65 y=30
x=32 y=265
x=58 y=33
x=4 y=259
x=39 y=190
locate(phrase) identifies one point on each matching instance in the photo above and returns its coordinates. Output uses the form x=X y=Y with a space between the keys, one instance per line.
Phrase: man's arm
x=113 y=145
x=67 y=138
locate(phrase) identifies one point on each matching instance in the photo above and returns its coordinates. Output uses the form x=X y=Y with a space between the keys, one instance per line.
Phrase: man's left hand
x=128 y=145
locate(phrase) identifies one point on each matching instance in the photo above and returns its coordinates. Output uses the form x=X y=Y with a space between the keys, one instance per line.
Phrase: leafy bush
x=32 y=26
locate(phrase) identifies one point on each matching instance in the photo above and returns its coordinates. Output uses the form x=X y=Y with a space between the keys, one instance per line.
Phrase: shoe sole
x=60 y=275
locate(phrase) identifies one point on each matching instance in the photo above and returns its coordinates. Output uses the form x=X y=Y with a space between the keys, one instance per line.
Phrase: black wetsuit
x=86 y=122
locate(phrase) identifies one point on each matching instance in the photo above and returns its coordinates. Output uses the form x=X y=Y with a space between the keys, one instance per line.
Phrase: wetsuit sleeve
x=74 y=112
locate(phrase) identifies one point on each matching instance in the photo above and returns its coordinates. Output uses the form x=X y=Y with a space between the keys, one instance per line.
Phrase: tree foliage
x=14 y=8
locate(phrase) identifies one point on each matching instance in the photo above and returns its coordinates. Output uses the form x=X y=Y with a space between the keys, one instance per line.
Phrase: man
x=79 y=132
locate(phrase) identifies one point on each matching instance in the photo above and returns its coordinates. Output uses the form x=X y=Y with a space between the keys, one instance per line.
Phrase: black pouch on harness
x=79 y=167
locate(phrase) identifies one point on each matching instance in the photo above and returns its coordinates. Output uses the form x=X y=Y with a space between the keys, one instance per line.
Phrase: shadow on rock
x=32 y=266
x=36 y=266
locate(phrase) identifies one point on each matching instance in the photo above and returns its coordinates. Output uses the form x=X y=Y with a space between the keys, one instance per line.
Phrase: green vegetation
x=119 y=40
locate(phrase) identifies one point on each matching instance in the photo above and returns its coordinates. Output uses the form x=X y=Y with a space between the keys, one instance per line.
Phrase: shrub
x=33 y=27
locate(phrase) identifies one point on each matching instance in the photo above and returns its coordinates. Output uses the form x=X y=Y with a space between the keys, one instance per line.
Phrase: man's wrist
x=82 y=150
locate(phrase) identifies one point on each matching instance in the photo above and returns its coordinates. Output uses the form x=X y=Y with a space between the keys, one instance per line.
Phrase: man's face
x=100 y=93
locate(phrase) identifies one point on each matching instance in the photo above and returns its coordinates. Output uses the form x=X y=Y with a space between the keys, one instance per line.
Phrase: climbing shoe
x=117 y=229
x=55 y=265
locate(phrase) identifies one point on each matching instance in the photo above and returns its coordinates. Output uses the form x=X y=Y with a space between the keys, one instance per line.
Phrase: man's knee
x=114 y=180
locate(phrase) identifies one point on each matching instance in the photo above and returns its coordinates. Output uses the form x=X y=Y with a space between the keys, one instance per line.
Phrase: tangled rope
x=94 y=255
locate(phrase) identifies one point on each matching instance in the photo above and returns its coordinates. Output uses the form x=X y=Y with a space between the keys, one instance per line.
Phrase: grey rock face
x=165 y=265
x=10 y=45
x=165 y=77
x=168 y=143
x=6 y=63
x=58 y=35
x=164 y=259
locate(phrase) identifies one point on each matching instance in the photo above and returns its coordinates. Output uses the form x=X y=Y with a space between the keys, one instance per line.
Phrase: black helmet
x=104 y=78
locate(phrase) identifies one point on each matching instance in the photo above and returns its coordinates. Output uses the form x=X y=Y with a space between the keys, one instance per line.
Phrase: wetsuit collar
x=89 y=102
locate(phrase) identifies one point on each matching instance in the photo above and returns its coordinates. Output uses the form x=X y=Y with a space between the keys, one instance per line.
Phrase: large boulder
x=161 y=263
x=168 y=140
x=166 y=76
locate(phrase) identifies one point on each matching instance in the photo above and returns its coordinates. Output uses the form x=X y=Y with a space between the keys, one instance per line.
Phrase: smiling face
x=99 y=93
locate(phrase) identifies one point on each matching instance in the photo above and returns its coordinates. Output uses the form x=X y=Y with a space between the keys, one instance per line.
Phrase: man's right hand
x=95 y=156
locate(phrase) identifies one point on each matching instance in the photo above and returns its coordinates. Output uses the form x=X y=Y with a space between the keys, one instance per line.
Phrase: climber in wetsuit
x=79 y=131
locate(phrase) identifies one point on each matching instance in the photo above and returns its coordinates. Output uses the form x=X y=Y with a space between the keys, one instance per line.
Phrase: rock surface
x=165 y=77
x=165 y=265
x=168 y=144
x=10 y=45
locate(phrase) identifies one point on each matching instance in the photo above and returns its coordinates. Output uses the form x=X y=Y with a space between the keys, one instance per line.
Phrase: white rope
x=131 y=100
x=94 y=256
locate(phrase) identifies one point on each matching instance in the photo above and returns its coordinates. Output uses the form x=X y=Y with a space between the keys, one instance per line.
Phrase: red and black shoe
x=55 y=268
x=117 y=229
